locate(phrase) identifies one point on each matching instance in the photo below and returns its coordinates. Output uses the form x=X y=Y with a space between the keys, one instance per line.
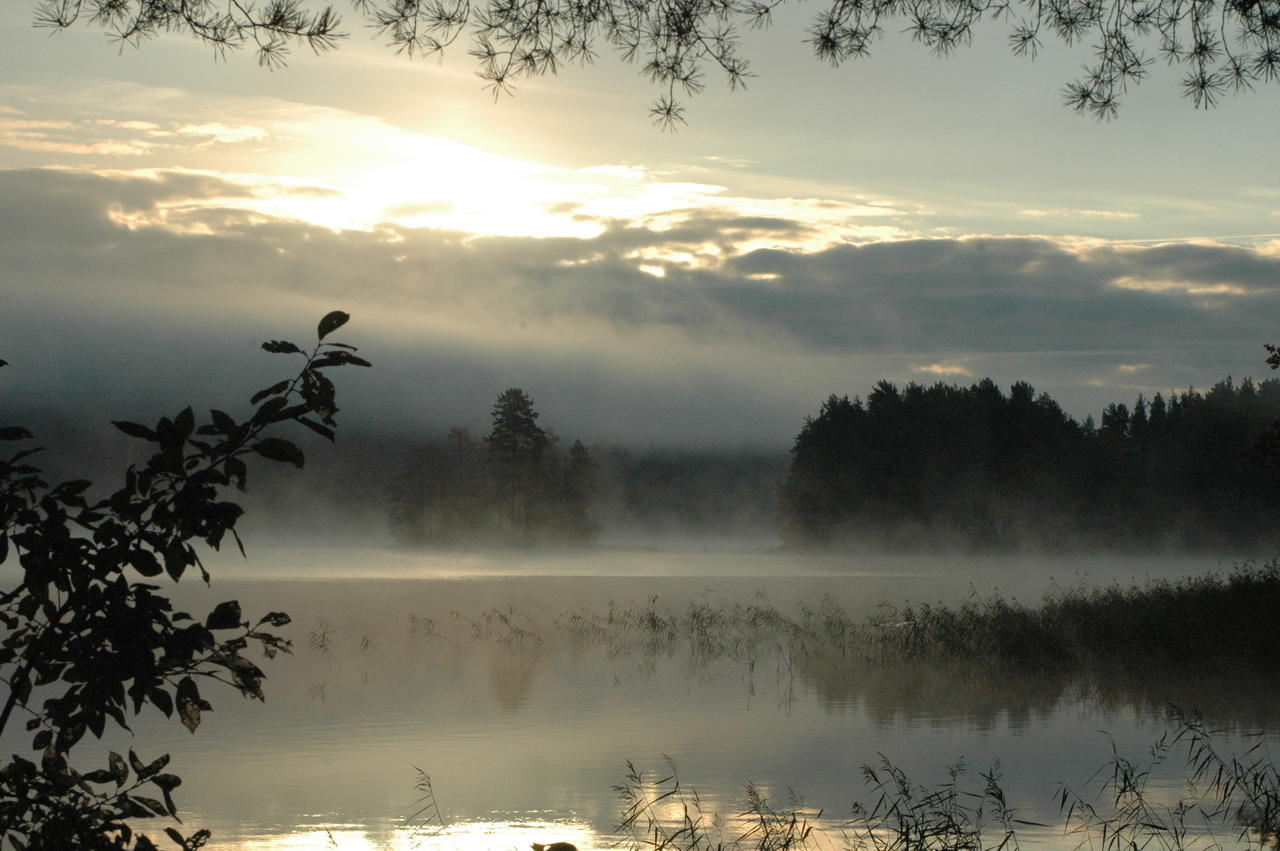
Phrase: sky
x=901 y=217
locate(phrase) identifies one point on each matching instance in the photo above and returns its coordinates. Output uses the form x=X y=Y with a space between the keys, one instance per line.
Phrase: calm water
x=455 y=665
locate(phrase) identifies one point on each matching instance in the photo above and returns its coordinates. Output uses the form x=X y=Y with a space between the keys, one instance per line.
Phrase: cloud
x=610 y=326
x=224 y=134
x=943 y=370
x=1064 y=213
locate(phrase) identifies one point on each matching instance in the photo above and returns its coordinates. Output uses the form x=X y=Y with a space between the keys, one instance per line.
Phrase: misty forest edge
x=937 y=467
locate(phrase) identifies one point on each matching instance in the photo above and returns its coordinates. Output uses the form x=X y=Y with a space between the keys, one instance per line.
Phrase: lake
x=484 y=673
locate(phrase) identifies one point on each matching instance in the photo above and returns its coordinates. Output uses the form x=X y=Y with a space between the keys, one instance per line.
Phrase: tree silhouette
x=513 y=487
x=514 y=454
x=1223 y=46
x=85 y=645
x=945 y=466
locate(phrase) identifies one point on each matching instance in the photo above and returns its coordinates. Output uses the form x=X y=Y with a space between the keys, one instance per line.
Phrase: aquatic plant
x=947 y=817
x=1209 y=621
x=1224 y=796
x=1223 y=793
x=660 y=814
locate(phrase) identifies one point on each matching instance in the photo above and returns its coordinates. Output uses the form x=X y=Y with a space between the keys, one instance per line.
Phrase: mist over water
x=476 y=669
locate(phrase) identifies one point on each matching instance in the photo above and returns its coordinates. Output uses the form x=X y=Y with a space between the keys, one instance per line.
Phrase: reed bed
x=1205 y=621
x=1228 y=801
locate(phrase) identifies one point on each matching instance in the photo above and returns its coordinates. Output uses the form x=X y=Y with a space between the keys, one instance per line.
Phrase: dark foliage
x=514 y=487
x=969 y=466
x=85 y=645
x=1204 y=623
x=1224 y=46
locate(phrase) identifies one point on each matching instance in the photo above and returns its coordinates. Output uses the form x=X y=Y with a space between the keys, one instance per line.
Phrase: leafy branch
x=85 y=643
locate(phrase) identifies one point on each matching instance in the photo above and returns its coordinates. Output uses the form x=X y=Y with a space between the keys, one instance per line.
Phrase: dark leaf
x=177 y=558
x=20 y=688
x=222 y=421
x=151 y=804
x=135 y=430
x=269 y=410
x=167 y=781
x=278 y=387
x=275 y=619
x=72 y=488
x=238 y=471
x=14 y=433
x=118 y=769
x=322 y=430
x=275 y=449
x=189 y=703
x=152 y=769
x=162 y=700
x=185 y=423
x=280 y=347
x=145 y=562
x=23 y=454
x=168 y=796
x=225 y=616
x=332 y=322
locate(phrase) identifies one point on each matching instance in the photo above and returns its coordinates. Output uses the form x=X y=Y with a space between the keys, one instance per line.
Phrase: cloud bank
x=129 y=288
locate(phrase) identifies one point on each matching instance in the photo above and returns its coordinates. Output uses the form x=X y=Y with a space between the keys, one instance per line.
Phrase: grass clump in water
x=1198 y=621
x=660 y=814
x=1226 y=801
x=1215 y=621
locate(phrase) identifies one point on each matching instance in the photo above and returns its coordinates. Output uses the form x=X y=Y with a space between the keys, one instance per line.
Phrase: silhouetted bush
x=85 y=645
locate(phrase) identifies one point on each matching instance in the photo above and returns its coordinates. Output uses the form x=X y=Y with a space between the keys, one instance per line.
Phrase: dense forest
x=971 y=467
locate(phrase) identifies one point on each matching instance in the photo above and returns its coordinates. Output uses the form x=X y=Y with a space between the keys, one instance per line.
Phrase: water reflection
x=468 y=836
x=525 y=717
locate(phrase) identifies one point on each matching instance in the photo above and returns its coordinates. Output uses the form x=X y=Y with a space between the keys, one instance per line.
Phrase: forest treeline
x=918 y=467
x=972 y=467
x=905 y=467
x=519 y=485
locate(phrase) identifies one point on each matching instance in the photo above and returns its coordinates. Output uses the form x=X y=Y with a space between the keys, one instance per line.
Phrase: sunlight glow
x=1160 y=285
x=942 y=369
x=344 y=170
x=464 y=836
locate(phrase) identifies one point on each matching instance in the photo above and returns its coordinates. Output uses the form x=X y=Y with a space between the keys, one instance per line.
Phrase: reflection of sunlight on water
x=464 y=836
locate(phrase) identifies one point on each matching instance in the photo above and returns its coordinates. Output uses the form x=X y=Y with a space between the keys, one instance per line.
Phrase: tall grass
x=660 y=814
x=907 y=817
x=1201 y=622
x=1227 y=801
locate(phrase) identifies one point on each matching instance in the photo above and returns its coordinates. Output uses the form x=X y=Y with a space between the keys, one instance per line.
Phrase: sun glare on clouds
x=347 y=171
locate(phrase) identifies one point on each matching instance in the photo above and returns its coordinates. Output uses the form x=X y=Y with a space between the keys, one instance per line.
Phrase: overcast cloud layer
x=126 y=291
